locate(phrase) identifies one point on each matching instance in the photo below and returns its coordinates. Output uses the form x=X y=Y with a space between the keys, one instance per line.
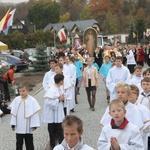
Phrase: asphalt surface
x=41 y=139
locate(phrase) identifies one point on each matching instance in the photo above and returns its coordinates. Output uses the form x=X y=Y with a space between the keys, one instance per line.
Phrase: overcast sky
x=13 y=1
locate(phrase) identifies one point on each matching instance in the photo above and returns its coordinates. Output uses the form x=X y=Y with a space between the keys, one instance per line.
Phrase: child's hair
x=59 y=65
x=145 y=80
x=134 y=88
x=72 y=120
x=107 y=57
x=53 y=60
x=66 y=57
x=12 y=66
x=72 y=58
x=23 y=84
x=138 y=67
x=125 y=86
x=148 y=70
x=58 y=78
x=61 y=57
x=144 y=73
x=119 y=58
x=118 y=103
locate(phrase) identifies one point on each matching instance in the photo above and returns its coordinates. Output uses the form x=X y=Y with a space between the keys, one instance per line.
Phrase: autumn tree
x=110 y=24
x=140 y=23
x=85 y=13
x=65 y=17
x=42 y=13
x=132 y=39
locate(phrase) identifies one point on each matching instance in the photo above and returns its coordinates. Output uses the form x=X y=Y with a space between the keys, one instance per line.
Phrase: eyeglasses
x=133 y=93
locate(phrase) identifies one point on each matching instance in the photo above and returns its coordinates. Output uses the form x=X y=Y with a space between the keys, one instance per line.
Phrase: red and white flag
x=62 y=35
x=147 y=32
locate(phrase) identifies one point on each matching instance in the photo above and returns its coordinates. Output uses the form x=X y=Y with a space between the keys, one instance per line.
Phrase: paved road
x=90 y=118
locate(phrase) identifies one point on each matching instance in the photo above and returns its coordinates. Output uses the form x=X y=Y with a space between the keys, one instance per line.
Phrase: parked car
x=13 y=60
x=32 y=54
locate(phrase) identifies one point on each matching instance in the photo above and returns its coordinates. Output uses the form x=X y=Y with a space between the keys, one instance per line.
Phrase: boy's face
x=23 y=92
x=61 y=61
x=89 y=62
x=107 y=59
x=133 y=97
x=58 y=70
x=67 y=60
x=147 y=75
x=138 y=72
x=118 y=62
x=146 y=87
x=52 y=65
x=117 y=113
x=122 y=94
x=71 y=135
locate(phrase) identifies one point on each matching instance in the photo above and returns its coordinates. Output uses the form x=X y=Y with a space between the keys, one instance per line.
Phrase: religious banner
x=90 y=40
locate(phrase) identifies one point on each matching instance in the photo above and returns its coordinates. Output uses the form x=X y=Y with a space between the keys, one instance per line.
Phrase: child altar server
x=66 y=87
x=49 y=74
x=119 y=73
x=73 y=130
x=144 y=111
x=123 y=92
x=119 y=134
x=137 y=77
x=25 y=118
x=53 y=110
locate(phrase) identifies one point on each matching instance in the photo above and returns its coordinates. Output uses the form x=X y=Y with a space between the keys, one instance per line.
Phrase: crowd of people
x=126 y=119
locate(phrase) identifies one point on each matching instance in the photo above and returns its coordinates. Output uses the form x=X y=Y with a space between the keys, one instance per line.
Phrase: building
x=18 y=25
x=74 y=28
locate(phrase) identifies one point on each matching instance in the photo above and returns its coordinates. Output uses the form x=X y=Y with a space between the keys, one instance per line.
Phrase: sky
x=13 y=1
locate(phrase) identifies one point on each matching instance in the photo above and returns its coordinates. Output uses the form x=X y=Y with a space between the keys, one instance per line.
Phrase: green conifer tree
x=42 y=59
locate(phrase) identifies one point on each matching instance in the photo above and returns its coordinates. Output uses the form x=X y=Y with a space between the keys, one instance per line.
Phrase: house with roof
x=18 y=25
x=74 y=29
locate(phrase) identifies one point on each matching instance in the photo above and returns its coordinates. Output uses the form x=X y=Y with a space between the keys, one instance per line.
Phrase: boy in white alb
x=119 y=134
x=72 y=75
x=66 y=87
x=119 y=73
x=137 y=77
x=123 y=92
x=144 y=97
x=25 y=118
x=49 y=74
x=144 y=111
x=73 y=130
x=53 y=110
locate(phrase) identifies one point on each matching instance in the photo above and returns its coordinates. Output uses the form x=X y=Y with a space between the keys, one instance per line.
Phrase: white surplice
x=131 y=114
x=144 y=100
x=135 y=80
x=53 y=108
x=25 y=114
x=146 y=119
x=128 y=138
x=67 y=87
x=47 y=78
x=72 y=74
x=115 y=75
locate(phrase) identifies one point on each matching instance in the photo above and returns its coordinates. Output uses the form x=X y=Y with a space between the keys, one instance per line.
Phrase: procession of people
x=127 y=122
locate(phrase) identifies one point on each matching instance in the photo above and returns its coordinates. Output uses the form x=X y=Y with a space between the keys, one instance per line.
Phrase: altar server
x=119 y=73
x=119 y=134
x=25 y=118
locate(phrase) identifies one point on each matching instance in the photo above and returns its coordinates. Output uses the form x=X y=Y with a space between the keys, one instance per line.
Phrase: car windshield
x=11 y=56
x=32 y=53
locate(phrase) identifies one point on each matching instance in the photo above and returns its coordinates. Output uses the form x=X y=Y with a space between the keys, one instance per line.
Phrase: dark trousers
x=55 y=131
x=28 y=141
x=131 y=68
x=6 y=91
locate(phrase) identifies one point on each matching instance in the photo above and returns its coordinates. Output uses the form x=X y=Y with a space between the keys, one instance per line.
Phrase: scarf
x=122 y=126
